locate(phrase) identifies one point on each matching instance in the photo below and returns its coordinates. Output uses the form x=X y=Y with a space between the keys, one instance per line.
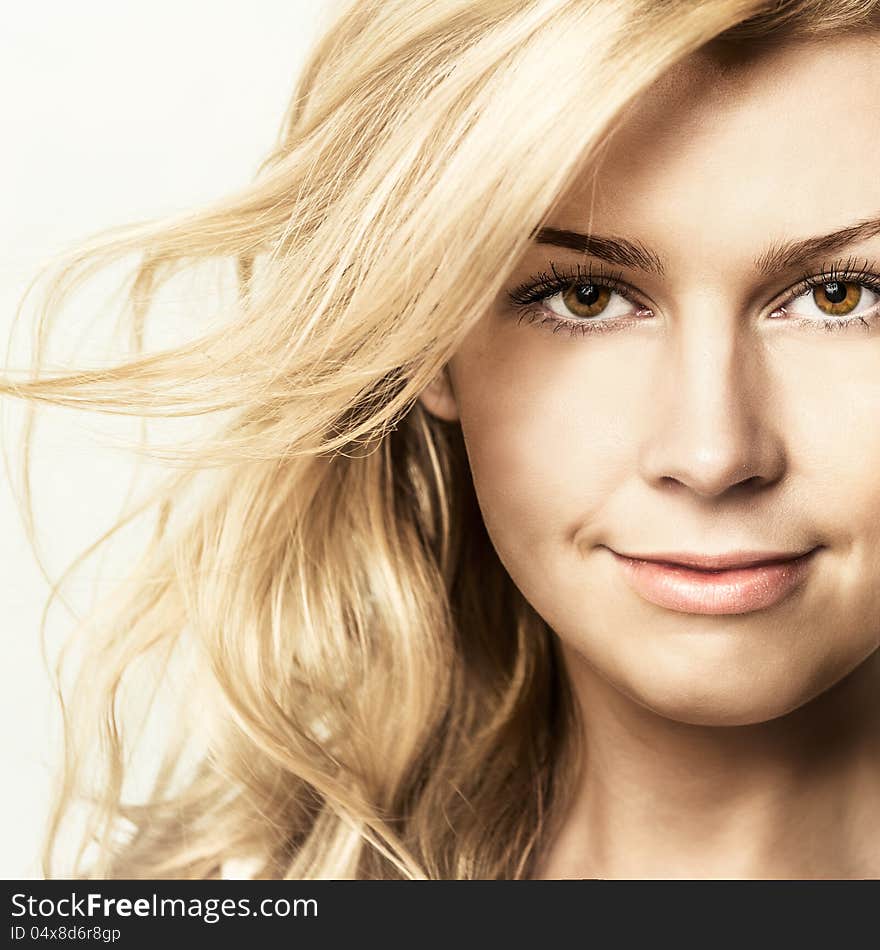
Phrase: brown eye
x=837 y=298
x=586 y=300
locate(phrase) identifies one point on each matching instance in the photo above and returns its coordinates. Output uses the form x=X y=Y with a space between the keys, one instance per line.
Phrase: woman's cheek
x=538 y=477
x=552 y=427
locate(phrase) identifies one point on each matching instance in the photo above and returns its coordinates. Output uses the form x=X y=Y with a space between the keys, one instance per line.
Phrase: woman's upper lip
x=718 y=562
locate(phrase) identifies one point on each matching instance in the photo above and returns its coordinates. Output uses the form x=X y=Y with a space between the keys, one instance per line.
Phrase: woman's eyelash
x=545 y=285
x=849 y=271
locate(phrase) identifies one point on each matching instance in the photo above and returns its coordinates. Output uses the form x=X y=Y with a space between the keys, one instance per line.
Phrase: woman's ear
x=439 y=399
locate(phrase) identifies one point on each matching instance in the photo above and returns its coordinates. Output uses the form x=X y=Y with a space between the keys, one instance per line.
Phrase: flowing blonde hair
x=367 y=694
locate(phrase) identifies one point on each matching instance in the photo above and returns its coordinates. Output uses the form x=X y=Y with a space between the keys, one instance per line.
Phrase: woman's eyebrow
x=614 y=250
x=786 y=255
x=779 y=256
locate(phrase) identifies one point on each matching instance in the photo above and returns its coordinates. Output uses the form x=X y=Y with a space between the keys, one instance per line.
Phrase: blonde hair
x=368 y=694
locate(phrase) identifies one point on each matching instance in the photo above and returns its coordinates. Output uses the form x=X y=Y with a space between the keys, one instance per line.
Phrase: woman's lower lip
x=732 y=591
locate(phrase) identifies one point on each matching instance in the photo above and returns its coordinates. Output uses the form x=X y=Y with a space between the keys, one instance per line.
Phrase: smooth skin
x=717 y=746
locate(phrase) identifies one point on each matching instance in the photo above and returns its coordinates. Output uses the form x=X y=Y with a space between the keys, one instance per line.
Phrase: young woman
x=539 y=532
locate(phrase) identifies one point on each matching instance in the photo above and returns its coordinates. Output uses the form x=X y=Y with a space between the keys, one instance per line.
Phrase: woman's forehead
x=723 y=153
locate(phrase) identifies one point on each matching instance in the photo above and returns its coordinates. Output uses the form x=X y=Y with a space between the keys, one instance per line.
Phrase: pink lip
x=753 y=582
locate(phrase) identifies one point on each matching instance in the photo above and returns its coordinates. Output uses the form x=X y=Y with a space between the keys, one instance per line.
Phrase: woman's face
x=722 y=407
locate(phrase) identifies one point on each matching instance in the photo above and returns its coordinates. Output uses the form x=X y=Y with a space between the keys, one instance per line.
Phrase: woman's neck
x=795 y=797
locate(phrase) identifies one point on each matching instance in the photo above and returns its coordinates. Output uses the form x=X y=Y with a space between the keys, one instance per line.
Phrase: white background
x=111 y=112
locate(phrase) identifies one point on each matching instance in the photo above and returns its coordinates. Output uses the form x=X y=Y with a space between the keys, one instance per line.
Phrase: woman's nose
x=713 y=424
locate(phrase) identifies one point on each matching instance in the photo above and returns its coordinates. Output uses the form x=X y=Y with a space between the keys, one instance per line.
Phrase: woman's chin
x=713 y=697
x=719 y=709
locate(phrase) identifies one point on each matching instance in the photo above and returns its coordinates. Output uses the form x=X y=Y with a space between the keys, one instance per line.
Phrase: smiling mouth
x=735 y=583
